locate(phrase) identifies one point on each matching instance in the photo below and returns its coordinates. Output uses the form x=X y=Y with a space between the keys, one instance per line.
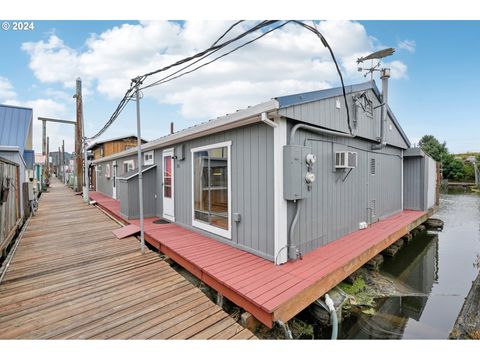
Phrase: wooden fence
x=10 y=218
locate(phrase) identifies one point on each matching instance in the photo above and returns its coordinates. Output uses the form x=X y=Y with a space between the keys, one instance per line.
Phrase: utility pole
x=44 y=153
x=86 y=172
x=48 y=159
x=78 y=137
x=63 y=162
x=86 y=183
x=139 y=157
x=59 y=163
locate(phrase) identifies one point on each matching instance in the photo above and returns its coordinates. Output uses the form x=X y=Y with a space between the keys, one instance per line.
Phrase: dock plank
x=71 y=278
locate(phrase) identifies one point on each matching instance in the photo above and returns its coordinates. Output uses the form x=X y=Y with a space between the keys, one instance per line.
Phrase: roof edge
x=233 y=120
x=17 y=107
x=144 y=168
x=303 y=98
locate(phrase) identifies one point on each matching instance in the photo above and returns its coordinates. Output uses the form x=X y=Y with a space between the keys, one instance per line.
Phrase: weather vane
x=376 y=55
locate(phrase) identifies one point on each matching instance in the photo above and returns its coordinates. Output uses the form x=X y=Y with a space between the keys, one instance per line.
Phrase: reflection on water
x=441 y=267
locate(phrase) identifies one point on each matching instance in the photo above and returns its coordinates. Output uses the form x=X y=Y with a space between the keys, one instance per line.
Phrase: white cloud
x=53 y=61
x=398 y=69
x=408 y=45
x=6 y=89
x=286 y=61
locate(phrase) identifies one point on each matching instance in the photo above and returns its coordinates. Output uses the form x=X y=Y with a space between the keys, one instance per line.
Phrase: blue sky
x=434 y=91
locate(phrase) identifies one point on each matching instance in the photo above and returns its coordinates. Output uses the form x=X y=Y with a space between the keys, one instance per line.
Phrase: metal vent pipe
x=385 y=74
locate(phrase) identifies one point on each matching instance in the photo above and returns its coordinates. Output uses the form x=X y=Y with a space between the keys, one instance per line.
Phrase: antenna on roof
x=376 y=55
x=384 y=75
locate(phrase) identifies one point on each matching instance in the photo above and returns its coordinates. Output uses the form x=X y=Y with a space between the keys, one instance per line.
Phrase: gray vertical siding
x=251 y=181
x=104 y=184
x=325 y=113
x=337 y=204
x=414 y=179
x=431 y=183
x=128 y=195
x=420 y=178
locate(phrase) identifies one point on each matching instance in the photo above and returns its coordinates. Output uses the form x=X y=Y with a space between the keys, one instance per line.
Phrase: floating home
x=279 y=179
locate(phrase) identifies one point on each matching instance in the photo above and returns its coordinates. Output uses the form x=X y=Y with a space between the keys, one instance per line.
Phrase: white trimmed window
x=211 y=188
x=148 y=158
x=128 y=165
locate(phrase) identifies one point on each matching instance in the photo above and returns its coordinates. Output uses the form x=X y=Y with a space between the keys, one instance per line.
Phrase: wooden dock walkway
x=71 y=278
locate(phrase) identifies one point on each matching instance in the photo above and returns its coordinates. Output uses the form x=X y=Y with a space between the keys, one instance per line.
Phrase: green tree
x=453 y=169
x=468 y=171
x=433 y=147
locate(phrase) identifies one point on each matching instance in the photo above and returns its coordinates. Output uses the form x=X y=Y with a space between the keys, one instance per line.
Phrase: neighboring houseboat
x=281 y=178
x=104 y=148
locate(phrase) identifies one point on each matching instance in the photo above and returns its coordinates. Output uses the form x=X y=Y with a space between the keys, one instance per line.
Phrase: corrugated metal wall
x=338 y=203
x=325 y=113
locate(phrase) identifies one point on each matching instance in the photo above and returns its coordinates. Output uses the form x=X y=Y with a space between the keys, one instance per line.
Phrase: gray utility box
x=294 y=170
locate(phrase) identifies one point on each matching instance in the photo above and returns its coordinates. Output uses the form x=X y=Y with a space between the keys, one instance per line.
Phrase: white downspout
x=401 y=179
x=280 y=248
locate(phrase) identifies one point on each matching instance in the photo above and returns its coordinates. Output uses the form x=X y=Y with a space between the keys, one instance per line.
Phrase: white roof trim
x=9 y=148
x=136 y=174
x=230 y=121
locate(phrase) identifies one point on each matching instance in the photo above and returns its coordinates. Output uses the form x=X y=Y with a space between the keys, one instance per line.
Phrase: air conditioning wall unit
x=346 y=159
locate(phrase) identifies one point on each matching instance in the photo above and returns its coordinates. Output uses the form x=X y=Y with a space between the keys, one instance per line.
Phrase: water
x=442 y=266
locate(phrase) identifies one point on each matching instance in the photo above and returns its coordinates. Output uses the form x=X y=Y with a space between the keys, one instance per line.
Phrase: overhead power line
x=215 y=47
x=172 y=77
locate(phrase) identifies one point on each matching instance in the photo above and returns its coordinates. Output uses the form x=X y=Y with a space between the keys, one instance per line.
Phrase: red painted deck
x=126 y=231
x=267 y=291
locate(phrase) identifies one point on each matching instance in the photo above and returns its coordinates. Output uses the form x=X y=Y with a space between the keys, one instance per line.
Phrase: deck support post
x=220 y=300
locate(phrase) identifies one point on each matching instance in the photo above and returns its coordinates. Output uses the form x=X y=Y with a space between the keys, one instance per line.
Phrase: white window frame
x=200 y=224
x=149 y=161
x=130 y=165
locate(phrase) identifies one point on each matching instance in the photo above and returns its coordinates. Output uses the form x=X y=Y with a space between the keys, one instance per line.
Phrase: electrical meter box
x=295 y=169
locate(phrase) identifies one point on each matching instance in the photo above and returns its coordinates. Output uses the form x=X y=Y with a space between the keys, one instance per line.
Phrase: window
x=101 y=151
x=148 y=158
x=211 y=188
x=107 y=171
x=128 y=147
x=128 y=165
x=167 y=177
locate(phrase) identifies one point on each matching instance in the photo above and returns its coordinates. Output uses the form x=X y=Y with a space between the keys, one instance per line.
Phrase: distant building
x=103 y=148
